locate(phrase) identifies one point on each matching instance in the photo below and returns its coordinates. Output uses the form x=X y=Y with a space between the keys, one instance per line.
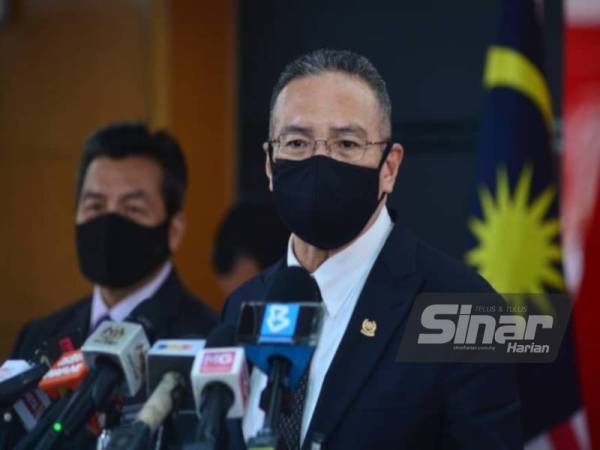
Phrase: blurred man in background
x=250 y=238
x=129 y=222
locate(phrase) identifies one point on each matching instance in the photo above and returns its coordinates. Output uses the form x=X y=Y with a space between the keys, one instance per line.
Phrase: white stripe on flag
x=580 y=427
x=541 y=442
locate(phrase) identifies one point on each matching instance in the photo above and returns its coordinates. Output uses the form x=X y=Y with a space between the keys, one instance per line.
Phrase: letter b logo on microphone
x=279 y=322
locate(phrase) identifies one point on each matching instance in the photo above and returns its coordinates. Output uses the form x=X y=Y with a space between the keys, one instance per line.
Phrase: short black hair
x=343 y=61
x=251 y=228
x=131 y=138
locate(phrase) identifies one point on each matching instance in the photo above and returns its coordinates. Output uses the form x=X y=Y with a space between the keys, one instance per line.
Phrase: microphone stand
x=212 y=420
x=268 y=436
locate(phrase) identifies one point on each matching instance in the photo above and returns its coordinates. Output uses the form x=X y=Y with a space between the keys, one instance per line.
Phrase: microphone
x=33 y=403
x=18 y=380
x=42 y=425
x=63 y=377
x=115 y=353
x=31 y=407
x=220 y=384
x=173 y=355
x=17 y=377
x=122 y=345
x=280 y=336
x=138 y=434
x=168 y=364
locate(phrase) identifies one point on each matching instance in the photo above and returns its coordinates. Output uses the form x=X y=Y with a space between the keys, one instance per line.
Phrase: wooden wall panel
x=70 y=66
x=203 y=81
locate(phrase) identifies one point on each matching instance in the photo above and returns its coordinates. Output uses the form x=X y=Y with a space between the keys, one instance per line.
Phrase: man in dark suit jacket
x=129 y=221
x=369 y=270
x=369 y=400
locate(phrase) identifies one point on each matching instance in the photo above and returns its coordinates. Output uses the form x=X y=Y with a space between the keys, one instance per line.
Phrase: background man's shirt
x=122 y=309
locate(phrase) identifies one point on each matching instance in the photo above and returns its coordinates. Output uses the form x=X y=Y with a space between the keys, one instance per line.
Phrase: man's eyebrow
x=135 y=195
x=295 y=129
x=92 y=195
x=348 y=129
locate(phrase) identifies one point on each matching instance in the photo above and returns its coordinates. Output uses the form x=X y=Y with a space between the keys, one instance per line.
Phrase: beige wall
x=69 y=66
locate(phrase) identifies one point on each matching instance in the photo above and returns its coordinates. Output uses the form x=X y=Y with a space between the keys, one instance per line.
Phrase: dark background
x=431 y=54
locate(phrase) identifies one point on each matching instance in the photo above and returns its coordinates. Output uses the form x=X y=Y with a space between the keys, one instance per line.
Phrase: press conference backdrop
x=431 y=54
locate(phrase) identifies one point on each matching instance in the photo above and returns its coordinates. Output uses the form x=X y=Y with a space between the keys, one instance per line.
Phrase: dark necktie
x=104 y=318
x=290 y=424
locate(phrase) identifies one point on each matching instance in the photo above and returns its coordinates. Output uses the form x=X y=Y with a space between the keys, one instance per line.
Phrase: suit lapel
x=385 y=299
x=81 y=323
x=159 y=313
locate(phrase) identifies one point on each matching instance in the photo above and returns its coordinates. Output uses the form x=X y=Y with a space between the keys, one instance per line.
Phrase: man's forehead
x=333 y=127
x=117 y=175
x=330 y=99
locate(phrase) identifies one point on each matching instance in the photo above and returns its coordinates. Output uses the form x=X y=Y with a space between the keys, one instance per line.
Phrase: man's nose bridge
x=112 y=206
x=325 y=147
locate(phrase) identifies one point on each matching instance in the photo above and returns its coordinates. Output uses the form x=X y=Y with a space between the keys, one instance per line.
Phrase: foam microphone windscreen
x=293 y=284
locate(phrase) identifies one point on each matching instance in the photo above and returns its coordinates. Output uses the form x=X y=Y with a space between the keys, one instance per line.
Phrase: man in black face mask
x=129 y=221
x=331 y=163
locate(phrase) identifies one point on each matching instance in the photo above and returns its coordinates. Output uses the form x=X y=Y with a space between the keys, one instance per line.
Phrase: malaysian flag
x=514 y=223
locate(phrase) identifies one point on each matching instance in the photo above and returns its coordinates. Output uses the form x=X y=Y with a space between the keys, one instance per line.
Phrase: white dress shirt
x=341 y=279
x=122 y=309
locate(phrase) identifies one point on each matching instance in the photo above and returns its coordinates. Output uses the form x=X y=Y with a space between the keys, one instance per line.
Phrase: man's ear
x=389 y=169
x=268 y=167
x=176 y=231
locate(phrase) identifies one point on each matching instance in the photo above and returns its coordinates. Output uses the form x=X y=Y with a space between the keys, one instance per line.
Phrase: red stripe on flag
x=587 y=312
x=563 y=437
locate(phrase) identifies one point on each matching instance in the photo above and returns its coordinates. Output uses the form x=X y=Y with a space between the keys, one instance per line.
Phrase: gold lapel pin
x=368 y=328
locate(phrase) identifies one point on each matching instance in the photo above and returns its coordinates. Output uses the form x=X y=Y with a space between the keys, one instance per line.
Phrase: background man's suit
x=370 y=401
x=171 y=312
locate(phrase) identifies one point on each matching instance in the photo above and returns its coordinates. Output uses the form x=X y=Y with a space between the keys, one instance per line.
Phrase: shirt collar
x=122 y=309
x=338 y=276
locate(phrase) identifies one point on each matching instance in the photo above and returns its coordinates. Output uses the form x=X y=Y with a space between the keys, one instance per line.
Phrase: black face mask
x=325 y=202
x=117 y=252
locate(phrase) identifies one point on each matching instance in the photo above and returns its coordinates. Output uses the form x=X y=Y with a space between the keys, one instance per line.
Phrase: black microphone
x=50 y=415
x=62 y=378
x=18 y=377
x=115 y=353
x=33 y=404
x=280 y=335
x=220 y=383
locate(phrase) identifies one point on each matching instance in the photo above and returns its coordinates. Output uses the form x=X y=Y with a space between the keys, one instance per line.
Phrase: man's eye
x=296 y=144
x=346 y=144
x=93 y=207
x=134 y=210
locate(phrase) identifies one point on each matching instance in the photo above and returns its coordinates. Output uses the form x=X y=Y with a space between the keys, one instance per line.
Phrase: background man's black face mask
x=325 y=202
x=117 y=252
